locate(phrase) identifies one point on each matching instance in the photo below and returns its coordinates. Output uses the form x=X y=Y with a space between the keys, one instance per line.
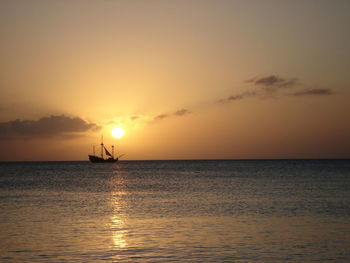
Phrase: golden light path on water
x=118 y=231
x=117 y=219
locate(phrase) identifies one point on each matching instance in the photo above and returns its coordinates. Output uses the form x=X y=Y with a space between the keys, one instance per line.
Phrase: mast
x=113 y=151
x=102 y=146
x=93 y=149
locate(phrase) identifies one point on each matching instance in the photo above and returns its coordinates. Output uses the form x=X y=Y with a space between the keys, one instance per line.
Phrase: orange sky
x=184 y=79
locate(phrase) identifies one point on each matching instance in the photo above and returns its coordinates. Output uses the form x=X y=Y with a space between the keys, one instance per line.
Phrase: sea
x=175 y=211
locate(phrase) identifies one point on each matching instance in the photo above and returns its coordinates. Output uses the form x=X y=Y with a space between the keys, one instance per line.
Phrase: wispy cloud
x=273 y=80
x=134 y=117
x=273 y=86
x=239 y=96
x=51 y=126
x=181 y=112
x=161 y=117
x=309 y=92
x=265 y=87
x=178 y=113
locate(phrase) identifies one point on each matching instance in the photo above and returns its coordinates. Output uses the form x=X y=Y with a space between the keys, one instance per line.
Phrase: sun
x=118 y=133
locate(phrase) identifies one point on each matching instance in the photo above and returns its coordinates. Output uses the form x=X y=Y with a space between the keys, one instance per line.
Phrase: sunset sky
x=184 y=79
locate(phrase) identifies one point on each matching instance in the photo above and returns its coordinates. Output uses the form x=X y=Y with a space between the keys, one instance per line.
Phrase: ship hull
x=96 y=159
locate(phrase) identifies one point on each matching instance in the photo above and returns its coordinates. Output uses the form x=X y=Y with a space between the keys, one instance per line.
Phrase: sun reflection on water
x=118 y=227
x=118 y=232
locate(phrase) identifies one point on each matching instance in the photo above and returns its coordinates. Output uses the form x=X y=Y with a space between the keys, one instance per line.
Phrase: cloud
x=181 y=112
x=273 y=80
x=178 y=113
x=273 y=86
x=51 y=126
x=313 y=92
x=161 y=117
x=238 y=97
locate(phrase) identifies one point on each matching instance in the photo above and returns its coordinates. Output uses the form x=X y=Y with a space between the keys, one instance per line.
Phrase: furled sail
x=108 y=153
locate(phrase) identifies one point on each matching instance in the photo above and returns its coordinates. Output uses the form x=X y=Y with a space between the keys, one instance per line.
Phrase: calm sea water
x=175 y=211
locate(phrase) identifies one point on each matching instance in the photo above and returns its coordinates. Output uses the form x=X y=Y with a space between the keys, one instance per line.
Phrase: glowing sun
x=117 y=133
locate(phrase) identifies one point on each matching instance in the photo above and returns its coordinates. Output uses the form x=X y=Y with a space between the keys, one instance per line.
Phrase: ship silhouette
x=100 y=159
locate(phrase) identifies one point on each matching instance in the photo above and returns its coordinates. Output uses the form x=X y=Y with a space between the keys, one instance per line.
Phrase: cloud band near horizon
x=45 y=127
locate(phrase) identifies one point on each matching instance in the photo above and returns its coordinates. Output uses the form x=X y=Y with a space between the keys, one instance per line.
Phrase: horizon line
x=209 y=159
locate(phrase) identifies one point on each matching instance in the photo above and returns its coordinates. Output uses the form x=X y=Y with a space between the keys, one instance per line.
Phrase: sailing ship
x=100 y=159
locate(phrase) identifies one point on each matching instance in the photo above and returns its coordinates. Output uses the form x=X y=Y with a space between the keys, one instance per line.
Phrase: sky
x=185 y=79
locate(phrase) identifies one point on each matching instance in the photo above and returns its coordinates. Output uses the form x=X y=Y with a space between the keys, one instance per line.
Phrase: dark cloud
x=135 y=117
x=238 y=97
x=313 y=92
x=271 y=86
x=273 y=80
x=45 y=127
x=181 y=112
